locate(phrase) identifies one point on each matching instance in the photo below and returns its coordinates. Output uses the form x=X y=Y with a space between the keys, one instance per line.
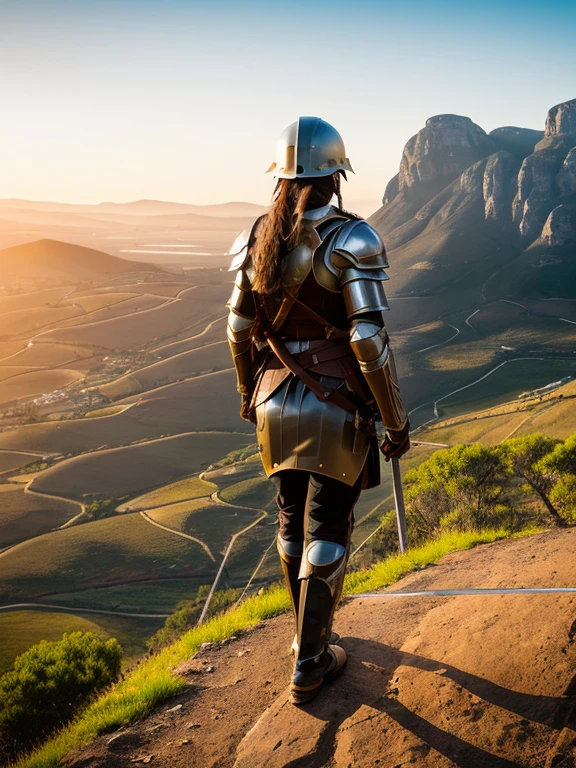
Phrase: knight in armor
x=315 y=372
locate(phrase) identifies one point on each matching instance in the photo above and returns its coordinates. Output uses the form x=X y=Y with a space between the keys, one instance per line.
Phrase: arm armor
x=361 y=259
x=241 y=318
x=369 y=342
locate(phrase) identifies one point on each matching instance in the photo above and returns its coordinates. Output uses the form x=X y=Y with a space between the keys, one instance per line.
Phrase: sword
x=399 y=503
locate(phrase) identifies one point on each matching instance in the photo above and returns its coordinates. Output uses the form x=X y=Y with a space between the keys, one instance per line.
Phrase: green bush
x=49 y=682
x=457 y=489
x=474 y=487
x=99 y=508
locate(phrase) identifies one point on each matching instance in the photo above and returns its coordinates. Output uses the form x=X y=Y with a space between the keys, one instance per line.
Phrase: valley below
x=129 y=483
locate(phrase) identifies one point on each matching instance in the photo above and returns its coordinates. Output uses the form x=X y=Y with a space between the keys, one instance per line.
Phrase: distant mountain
x=54 y=261
x=475 y=214
x=140 y=208
x=45 y=221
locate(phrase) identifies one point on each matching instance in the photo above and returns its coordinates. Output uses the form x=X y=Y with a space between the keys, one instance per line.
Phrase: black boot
x=318 y=662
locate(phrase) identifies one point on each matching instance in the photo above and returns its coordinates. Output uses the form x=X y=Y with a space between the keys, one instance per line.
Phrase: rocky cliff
x=466 y=197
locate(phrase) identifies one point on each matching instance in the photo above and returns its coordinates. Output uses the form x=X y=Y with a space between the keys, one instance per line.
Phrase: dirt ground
x=471 y=681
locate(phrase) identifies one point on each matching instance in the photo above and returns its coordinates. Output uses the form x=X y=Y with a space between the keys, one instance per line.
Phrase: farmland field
x=116 y=549
x=126 y=306
x=32 y=383
x=32 y=299
x=46 y=355
x=22 y=321
x=208 y=358
x=183 y=490
x=117 y=472
x=210 y=522
x=10 y=461
x=509 y=381
x=24 y=515
x=153 y=596
x=553 y=414
x=203 y=403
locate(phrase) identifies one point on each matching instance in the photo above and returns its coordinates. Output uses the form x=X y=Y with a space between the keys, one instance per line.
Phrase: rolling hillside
x=53 y=261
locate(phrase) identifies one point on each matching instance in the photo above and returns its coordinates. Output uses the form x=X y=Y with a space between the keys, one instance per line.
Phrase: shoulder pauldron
x=240 y=247
x=357 y=244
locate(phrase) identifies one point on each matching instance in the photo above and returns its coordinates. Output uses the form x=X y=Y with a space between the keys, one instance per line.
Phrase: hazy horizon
x=180 y=101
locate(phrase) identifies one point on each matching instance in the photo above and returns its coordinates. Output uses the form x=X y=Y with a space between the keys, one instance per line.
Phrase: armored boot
x=291 y=558
x=317 y=662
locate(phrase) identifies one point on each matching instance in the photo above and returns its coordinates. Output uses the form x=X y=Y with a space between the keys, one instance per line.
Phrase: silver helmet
x=309 y=148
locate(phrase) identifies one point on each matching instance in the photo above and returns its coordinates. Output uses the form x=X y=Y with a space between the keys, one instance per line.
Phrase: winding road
x=76 y=609
x=441 y=344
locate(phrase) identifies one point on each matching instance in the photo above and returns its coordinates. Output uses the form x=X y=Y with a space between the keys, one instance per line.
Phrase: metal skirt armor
x=297 y=431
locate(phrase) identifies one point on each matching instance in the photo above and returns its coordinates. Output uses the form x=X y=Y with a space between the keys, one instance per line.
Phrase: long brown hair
x=281 y=228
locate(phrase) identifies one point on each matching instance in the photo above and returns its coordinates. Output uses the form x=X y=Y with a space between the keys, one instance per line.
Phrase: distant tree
x=99 y=508
x=559 y=467
x=523 y=456
x=49 y=683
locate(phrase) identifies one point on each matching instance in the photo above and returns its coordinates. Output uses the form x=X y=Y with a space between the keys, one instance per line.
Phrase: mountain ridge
x=144 y=207
x=489 y=198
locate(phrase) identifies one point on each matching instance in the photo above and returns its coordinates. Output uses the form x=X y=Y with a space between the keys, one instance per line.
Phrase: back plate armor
x=332 y=291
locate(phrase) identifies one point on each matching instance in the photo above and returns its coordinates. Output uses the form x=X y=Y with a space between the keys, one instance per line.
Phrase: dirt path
x=189 y=338
x=441 y=344
x=438 y=682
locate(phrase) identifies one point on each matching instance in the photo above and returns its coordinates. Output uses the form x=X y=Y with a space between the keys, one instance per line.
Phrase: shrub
x=49 y=682
x=459 y=488
x=99 y=508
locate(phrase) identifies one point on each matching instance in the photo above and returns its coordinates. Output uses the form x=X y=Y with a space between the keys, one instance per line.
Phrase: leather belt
x=314 y=351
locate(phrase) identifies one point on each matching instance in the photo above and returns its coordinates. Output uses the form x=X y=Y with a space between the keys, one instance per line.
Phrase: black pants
x=313 y=506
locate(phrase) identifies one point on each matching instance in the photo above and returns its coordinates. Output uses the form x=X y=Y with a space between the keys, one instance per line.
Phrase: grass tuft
x=393 y=568
x=153 y=681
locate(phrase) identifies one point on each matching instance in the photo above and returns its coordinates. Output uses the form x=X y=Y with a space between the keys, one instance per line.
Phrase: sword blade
x=399 y=503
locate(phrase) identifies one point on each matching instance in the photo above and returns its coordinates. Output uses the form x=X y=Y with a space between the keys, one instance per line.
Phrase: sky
x=118 y=100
